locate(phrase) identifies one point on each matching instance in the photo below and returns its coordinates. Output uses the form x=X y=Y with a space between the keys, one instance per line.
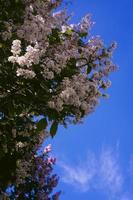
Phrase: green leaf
x=83 y=35
x=89 y=70
x=69 y=32
x=54 y=38
x=42 y=124
x=54 y=128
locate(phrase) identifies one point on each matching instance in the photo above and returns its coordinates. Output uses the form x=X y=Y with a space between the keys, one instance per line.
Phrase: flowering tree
x=48 y=67
x=39 y=181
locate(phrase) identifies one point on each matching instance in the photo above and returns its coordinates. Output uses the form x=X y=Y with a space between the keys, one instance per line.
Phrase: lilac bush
x=54 y=69
x=49 y=68
x=39 y=181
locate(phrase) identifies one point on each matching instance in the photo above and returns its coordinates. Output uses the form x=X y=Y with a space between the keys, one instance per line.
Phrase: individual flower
x=47 y=149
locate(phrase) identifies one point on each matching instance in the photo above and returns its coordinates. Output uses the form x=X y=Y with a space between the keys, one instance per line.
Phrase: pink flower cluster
x=46 y=180
x=47 y=149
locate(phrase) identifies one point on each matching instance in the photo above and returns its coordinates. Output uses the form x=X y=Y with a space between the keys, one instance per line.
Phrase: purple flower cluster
x=40 y=181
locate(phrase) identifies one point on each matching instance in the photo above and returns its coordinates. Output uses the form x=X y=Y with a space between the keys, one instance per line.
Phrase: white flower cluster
x=28 y=74
x=31 y=57
x=53 y=43
x=36 y=29
x=16 y=47
x=85 y=24
x=79 y=92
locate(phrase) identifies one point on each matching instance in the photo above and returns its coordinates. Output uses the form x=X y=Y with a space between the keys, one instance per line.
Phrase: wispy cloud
x=127 y=196
x=95 y=172
x=110 y=172
x=81 y=175
x=131 y=166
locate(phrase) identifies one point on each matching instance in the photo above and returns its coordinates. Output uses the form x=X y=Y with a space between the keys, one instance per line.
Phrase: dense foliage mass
x=48 y=67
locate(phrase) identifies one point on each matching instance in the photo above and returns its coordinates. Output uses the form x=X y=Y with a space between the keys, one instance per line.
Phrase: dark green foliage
x=54 y=128
x=54 y=38
x=89 y=69
x=42 y=124
x=9 y=10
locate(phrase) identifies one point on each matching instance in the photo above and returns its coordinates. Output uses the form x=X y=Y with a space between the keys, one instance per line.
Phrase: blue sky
x=95 y=159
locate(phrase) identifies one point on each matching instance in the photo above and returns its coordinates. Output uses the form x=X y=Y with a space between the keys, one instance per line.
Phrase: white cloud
x=81 y=175
x=99 y=173
x=110 y=173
